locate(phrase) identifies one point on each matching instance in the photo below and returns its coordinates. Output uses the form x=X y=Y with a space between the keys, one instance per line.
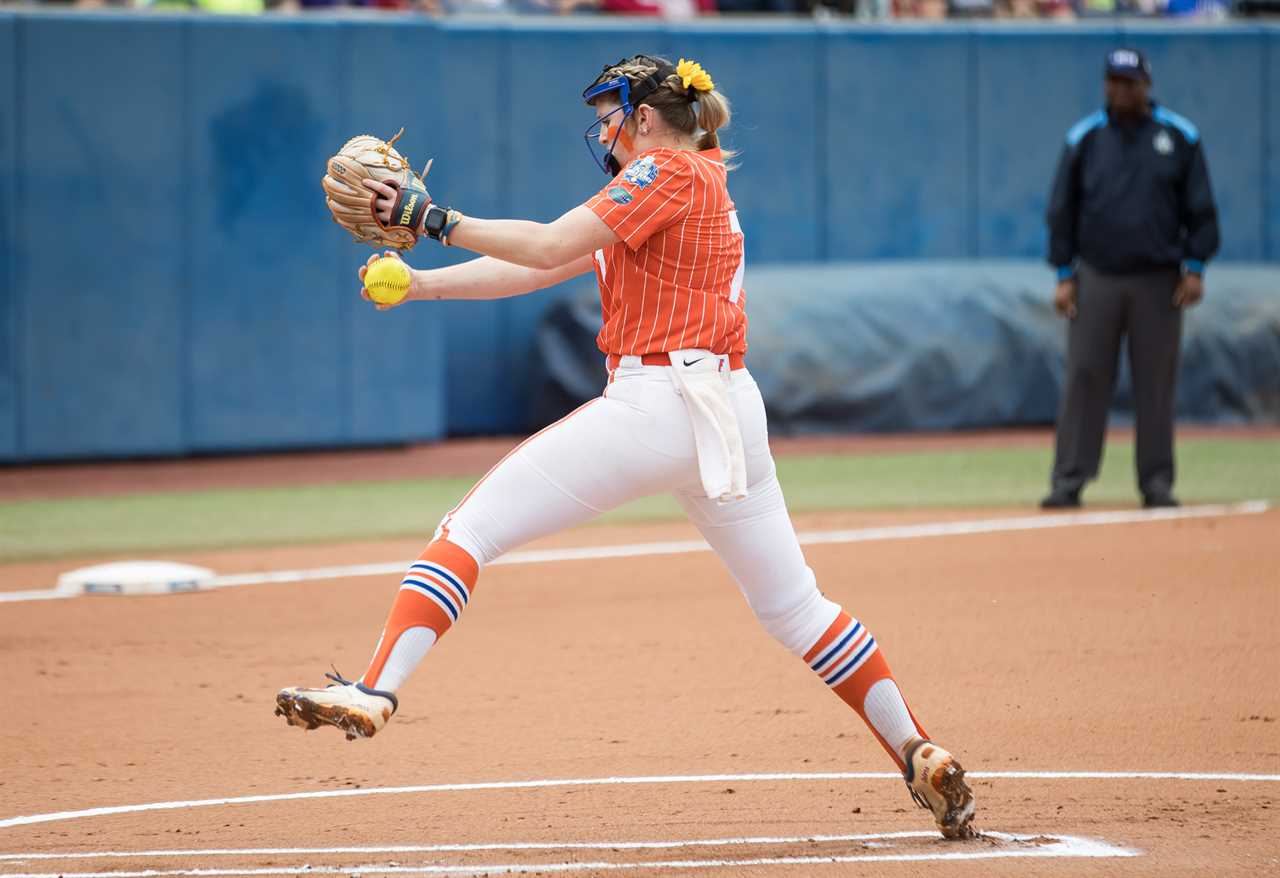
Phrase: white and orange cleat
x=936 y=781
x=354 y=708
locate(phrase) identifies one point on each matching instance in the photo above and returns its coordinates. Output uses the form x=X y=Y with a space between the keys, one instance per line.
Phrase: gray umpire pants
x=1110 y=306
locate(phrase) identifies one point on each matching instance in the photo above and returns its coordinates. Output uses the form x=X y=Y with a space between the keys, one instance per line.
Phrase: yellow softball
x=387 y=280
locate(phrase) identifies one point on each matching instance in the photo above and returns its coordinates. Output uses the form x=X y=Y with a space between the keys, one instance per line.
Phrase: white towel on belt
x=702 y=378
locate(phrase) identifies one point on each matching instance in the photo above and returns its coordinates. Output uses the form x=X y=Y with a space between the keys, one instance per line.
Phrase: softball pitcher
x=680 y=414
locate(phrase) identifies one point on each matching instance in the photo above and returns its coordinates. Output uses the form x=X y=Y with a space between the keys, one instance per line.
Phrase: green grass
x=1209 y=470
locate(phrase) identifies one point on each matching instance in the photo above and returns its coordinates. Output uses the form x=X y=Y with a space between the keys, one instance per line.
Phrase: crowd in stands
x=675 y=9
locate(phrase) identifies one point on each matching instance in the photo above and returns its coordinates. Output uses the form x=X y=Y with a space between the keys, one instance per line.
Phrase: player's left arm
x=489 y=278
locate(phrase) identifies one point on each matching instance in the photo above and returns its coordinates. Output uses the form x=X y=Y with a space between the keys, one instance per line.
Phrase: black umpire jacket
x=1132 y=196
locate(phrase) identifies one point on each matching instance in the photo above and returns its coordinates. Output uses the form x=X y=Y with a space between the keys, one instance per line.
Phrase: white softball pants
x=634 y=441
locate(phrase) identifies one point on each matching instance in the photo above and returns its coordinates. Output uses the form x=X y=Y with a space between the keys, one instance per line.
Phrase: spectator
x=219 y=7
x=821 y=8
x=1016 y=9
x=933 y=10
x=971 y=8
x=1197 y=9
x=1058 y=9
x=1096 y=8
x=1132 y=222
x=659 y=8
x=392 y=5
x=759 y=6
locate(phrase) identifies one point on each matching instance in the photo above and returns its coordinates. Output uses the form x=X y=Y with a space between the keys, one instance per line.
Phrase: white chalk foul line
x=1062 y=846
x=684 y=547
x=744 y=841
x=43 y=594
x=28 y=820
x=466 y=848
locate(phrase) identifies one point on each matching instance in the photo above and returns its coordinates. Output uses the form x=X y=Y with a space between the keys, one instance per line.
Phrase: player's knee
x=800 y=619
x=457 y=530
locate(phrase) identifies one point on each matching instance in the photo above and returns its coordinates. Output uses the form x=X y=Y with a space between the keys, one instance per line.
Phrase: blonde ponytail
x=713 y=114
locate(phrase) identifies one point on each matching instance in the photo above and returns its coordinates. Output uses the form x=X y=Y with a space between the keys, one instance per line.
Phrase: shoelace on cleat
x=919 y=799
x=337 y=678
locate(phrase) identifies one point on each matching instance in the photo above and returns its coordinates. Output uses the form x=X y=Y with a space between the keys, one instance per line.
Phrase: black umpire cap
x=1128 y=63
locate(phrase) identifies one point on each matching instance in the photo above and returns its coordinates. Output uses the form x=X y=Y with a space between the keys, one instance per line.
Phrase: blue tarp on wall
x=943 y=346
x=204 y=302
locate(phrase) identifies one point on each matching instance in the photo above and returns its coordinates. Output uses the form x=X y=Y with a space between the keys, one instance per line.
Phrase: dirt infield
x=1139 y=647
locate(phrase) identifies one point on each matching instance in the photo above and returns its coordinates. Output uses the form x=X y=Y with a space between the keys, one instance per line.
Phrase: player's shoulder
x=1176 y=121
x=1086 y=126
x=661 y=165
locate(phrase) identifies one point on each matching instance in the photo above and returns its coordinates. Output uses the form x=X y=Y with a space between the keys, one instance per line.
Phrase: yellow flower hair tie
x=692 y=74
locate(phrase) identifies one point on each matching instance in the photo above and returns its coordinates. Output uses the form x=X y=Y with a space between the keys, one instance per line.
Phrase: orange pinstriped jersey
x=674 y=281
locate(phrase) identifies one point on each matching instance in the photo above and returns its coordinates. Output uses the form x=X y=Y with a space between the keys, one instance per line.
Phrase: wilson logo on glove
x=407 y=213
x=354 y=206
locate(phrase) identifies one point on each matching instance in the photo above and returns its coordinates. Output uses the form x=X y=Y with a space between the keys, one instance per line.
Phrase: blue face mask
x=607 y=162
x=629 y=96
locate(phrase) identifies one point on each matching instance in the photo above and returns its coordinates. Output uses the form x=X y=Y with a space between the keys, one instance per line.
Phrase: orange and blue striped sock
x=848 y=660
x=433 y=594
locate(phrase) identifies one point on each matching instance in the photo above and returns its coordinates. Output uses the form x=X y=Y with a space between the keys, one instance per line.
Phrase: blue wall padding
x=171 y=173
x=101 y=247
x=1270 y=183
x=262 y=282
x=9 y=335
x=898 y=148
x=944 y=346
x=1031 y=86
x=214 y=305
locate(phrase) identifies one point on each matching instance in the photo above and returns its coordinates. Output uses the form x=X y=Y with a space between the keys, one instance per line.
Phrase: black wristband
x=436 y=219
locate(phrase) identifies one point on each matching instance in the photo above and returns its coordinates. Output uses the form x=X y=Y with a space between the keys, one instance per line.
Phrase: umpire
x=1132 y=223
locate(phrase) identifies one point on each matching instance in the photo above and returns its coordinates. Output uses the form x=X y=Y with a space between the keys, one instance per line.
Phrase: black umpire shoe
x=1061 y=499
x=1159 y=501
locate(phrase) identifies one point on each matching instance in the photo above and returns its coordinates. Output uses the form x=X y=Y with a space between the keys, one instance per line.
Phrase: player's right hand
x=1064 y=298
x=364 y=294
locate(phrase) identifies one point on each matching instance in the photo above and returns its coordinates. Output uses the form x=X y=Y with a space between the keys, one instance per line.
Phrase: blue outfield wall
x=9 y=338
x=175 y=285
x=1270 y=183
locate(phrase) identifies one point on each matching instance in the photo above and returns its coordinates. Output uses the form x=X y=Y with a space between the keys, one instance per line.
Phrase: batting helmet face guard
x=629 y=95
